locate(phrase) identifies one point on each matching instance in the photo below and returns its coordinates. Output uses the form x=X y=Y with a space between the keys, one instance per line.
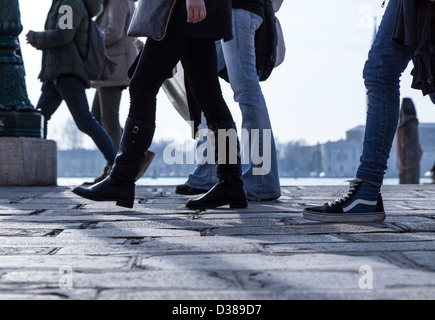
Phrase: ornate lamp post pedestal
x=25 y=158
x=17 y=115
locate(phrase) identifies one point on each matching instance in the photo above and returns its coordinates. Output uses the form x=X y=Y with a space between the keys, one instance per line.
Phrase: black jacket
x=255 y=6
x=217 y=25
x=415 y=29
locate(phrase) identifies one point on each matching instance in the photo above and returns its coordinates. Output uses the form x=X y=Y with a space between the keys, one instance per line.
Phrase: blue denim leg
x=204 y=175
x=239 y=54
x=386 y=62
x=48 y=103
x=72 y=90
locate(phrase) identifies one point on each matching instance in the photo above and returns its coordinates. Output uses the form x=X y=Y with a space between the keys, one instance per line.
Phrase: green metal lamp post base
x=25 y=158
x=17 y=115
x=21 y=124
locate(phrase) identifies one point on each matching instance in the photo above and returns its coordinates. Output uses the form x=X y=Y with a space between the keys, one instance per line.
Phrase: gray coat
x=114 y=20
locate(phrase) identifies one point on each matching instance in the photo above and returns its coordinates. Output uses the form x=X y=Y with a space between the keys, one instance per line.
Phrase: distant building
x=90 y=163
x=79 y=163
x=332 y=159
x=356 y=134
x=342 y=158
x=426 y=132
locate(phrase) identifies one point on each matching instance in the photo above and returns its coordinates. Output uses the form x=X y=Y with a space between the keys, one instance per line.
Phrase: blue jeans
x=386 y=62
x=260 y=176
x=72 y=90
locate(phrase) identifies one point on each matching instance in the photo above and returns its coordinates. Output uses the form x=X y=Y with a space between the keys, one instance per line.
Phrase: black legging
x=159 y=58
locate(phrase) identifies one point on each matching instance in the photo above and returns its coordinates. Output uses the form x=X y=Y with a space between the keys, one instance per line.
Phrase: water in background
x=284 y=181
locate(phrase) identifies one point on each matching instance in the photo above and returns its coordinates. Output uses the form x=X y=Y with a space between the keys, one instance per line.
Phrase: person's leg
x=110 y=99
x=155 y=65
x=72 y=91
x=48 y=103
x=96 y=107
x=105 y=110
x=386 y=62
x=201 y=71
x=260 y=174
x=203 y=178
x=95 y=110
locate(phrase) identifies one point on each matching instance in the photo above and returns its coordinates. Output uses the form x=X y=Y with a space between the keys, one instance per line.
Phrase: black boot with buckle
x=120 y=185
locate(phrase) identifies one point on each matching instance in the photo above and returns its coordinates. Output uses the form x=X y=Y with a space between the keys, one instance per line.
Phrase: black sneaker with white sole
x=363 y=203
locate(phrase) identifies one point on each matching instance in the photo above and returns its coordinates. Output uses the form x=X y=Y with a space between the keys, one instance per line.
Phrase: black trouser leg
x=136 y=140
x=229 y=190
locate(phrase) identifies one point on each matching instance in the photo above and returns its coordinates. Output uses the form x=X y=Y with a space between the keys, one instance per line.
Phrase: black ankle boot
x=229 y=190
x=223 y=193
x=120 y=185
x=108 y=190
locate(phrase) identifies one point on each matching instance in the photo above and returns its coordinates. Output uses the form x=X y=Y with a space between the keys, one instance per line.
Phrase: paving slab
x=56 y=245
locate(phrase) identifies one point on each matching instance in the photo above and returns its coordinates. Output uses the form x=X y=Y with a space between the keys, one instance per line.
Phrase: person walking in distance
x=63 y=70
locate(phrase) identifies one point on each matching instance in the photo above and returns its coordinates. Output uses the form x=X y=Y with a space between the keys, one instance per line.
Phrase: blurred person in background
x=114 y=20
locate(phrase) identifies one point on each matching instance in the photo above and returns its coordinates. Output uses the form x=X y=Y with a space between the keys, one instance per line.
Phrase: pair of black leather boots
x=137 y=138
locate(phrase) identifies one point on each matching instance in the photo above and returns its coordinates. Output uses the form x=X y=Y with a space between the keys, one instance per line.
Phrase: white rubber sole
x=344 y=217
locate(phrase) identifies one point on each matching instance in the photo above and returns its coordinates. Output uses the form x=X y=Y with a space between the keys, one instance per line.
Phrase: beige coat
x=114 y=20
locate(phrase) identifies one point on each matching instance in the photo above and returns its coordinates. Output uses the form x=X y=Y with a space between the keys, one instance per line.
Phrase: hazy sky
x=315 y=95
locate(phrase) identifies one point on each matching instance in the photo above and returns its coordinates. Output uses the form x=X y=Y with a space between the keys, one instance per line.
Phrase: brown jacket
x=114 y=20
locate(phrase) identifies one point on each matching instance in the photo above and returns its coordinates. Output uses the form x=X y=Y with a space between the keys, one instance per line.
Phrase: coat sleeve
x=58 y=37
x=117 y=12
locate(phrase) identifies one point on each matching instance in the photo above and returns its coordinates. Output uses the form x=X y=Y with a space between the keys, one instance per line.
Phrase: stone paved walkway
x=55 y=245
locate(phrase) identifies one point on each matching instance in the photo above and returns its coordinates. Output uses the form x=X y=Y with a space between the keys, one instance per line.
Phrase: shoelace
x=344 y=197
